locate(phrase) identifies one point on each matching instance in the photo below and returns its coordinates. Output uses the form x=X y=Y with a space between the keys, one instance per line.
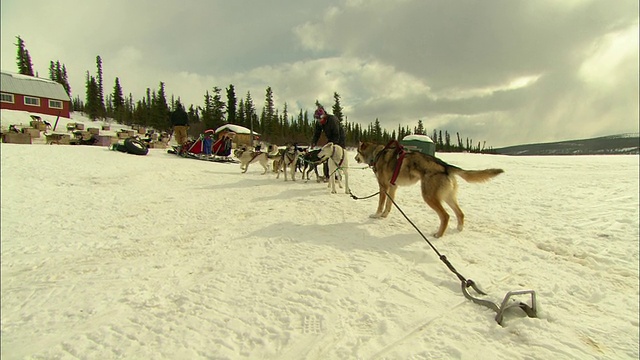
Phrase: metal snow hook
x=507 y=302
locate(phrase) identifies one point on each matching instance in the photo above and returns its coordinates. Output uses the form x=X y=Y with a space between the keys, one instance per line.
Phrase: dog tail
x=475 y=176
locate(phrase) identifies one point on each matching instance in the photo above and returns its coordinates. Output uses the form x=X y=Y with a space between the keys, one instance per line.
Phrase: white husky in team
x=336 y=157
x=248 y=156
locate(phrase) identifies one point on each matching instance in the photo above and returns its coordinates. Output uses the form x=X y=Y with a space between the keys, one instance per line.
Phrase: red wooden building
x=33 y=94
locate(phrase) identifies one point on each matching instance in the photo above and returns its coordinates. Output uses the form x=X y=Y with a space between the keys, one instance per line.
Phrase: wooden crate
x=106 y=127
x=105 y=140
x=16 y=138
x=94 y=131
x=79 y=126
x=158 y=145
x=36 y=124
x=34 y=133
x=123 y=135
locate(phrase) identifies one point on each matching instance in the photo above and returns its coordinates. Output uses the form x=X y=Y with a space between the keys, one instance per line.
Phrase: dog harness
x=400 y=153
x=333 y=152
x=255 y=155
x=289 y=156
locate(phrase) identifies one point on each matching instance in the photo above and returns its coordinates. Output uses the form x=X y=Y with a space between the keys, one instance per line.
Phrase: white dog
x=248 y=156
x=338 y=164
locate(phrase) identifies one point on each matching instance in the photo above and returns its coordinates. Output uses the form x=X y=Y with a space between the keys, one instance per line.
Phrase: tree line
x=274 y=125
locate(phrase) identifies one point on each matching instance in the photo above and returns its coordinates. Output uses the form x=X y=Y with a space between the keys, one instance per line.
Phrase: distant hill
x=614 y=144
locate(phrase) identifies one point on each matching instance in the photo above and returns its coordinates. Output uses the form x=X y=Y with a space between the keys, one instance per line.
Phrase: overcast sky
x=502 y=71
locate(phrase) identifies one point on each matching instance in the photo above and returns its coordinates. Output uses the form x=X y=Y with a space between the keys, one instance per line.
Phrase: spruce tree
x=52 y=72
x=118 y=102
x=23 y=59
x=92 y=107
x=207 y=111
x=337 y=108
x=160 y=111
x=268 y=120
x=218 y=108
x=231 y=104
x=100 y=88
x=420 y=129
x=250 y=112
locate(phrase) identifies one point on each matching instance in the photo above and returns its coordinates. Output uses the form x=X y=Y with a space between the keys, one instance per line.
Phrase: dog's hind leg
x=436 y=205
x=447 y=192
x=453 y=204
x=433 y=189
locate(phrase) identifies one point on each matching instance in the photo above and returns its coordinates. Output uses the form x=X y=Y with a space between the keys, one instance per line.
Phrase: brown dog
x=438 y=182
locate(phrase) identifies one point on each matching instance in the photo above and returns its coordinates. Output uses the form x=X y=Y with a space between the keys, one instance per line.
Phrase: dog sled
x=204 y=148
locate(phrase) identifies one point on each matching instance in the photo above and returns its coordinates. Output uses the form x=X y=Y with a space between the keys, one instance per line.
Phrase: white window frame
x=11 y=100
x=34 y=98
x=51 y=102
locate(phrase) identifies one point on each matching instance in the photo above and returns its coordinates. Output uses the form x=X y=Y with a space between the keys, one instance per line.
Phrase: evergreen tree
x=337 y=108
x=240 y=113
x=92 y=107
x=29 y=64
x=100 y=88
x=434 y=138
x=420 y=129
x=377 y=132
x=268 y=120
x=194 y=117
x=160 y=110
x=52 y=72
x=231 y=105
x=218 y=108
x=23 y=58
x=250 y=113
x=207 y=110
x=118 y=102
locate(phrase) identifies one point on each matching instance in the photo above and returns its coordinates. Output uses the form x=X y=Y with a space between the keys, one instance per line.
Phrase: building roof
x=236 y=129
x=32 y=86
x=423 y=138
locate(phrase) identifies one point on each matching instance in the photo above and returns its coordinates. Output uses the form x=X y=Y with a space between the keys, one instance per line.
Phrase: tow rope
x=507 y=302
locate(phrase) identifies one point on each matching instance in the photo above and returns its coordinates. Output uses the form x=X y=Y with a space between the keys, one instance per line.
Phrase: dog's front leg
x=346 y=181
x=332 y=181
x=391 y=196
x=382 y=197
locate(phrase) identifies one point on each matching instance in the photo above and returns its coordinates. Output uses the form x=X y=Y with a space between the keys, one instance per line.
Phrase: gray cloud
x=503 y=71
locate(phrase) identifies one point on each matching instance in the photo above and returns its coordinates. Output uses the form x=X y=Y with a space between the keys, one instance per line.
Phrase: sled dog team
x=292 y=159
x=391 y=165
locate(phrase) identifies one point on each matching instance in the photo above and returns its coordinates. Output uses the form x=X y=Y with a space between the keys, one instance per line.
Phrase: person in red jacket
x=333 y=130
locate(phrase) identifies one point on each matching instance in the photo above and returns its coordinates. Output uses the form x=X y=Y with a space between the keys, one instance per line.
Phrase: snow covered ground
x=107 y=255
